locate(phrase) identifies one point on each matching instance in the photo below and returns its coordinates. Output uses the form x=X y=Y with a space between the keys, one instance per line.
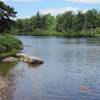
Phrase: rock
x=86 y=89
x=21 y=55
x=34 y=60
x=29 y=59
x=9 y=59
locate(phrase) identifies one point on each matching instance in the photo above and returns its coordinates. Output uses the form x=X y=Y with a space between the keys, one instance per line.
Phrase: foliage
x=9 y=45
x=7 y=14
x=67 y=24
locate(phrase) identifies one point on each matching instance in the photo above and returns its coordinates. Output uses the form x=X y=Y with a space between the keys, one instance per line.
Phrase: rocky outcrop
x=29 y=59
x=33 y=60
x=24 y=57
x=21 y=55
x=9 y=59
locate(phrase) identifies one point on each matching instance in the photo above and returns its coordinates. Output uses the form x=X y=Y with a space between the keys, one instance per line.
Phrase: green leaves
x=9 y=45
x=66 y=24
x=7 y=14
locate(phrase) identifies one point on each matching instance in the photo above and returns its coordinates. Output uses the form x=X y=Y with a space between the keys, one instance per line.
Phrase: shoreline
x=3 y=82
x=3 y=88
x=55 y=36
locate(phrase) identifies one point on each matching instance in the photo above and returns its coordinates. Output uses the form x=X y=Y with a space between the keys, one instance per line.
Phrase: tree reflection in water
x=6 y=67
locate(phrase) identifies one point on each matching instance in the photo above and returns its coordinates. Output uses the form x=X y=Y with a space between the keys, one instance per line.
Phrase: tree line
x=67 y=24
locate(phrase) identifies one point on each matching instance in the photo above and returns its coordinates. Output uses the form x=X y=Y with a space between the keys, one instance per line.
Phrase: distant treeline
x=70 y=24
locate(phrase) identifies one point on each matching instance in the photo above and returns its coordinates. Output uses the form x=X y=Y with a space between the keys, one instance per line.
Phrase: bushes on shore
x=83 y=33
x=9 y=45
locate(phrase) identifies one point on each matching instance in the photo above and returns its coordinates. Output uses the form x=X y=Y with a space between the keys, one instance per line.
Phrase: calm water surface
x=71 y=70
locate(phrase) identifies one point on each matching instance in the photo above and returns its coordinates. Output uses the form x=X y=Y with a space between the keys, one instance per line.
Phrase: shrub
x=9 y=45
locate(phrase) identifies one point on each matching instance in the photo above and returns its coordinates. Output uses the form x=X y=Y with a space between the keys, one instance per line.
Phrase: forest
x=68 y=24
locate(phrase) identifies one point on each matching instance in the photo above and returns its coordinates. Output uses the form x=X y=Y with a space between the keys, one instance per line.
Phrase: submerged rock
x=9 y=59
x=86 y=89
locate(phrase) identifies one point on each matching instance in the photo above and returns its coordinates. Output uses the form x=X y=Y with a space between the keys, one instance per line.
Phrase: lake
x=71 y=70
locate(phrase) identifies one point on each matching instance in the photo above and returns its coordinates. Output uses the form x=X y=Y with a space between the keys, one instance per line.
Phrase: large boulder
x=33 y=60
x=29 y=59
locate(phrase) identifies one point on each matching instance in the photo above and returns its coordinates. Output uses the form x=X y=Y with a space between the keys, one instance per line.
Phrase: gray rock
x=29 y=59
x=9 y=59
x=21 y=55
x=35 y=60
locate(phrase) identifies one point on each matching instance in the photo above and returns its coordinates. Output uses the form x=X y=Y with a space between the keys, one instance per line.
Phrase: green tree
x=90 y=19
x=19 y=25
x=40 y=21
x=65 y=24
x=64 y=21
x=7 y=14
x=78 y=21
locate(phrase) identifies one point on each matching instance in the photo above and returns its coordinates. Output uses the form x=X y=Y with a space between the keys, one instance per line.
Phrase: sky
x=28 y=8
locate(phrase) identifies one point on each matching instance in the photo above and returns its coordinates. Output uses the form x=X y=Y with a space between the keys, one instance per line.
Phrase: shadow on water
x=33 y=65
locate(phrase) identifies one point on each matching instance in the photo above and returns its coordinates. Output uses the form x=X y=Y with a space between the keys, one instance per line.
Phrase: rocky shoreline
x=4 y=84
x=23 y=57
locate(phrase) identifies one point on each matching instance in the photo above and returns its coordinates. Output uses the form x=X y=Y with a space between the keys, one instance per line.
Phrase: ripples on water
x=71 y=70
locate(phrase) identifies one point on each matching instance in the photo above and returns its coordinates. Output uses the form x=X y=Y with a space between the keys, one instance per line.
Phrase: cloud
x=26 y=0
x=57 y=11
x=85 y=1
x=2 y=0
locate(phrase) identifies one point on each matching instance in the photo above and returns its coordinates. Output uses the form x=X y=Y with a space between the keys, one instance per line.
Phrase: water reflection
x=6 y=67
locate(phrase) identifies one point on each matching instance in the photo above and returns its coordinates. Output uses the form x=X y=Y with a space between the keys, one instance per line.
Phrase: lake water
x=71 y=70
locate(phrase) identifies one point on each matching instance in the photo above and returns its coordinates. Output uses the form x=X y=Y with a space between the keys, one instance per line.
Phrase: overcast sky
x=27 y=8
